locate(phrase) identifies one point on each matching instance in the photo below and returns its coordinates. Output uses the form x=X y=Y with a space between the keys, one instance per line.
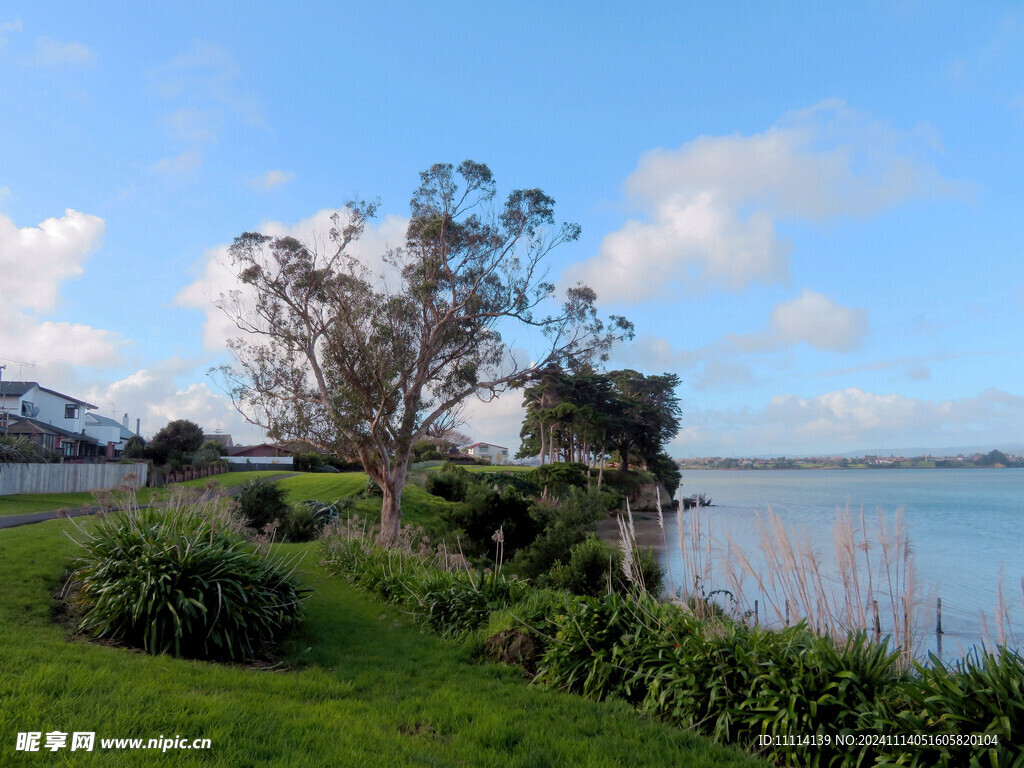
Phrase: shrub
x=524 y=482
x=486 y=510
x=449 y=482
x=559 y=477
x=300 y=524
x=261 y=502
x=309 y=462
x=175 y=581
x=593 y=565
x=563 y=524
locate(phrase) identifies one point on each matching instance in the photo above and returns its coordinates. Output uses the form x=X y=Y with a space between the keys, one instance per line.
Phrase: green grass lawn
x=27 y=503
x=418 y=506
x=359 y=686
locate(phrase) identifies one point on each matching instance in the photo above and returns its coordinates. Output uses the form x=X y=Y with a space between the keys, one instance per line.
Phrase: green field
x=27 y=503
x=358 y=685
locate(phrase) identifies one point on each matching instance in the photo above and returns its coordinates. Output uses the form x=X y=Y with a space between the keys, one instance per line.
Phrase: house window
x=27 y=408
x=68 y=447
x=70 y=411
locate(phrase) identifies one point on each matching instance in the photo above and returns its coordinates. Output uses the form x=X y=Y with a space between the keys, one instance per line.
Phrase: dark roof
x=16 y=388
x=19 y=388
x=474 y=445
x=42 y=426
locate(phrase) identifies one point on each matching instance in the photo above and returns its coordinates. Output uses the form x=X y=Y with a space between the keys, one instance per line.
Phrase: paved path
x=13 y=521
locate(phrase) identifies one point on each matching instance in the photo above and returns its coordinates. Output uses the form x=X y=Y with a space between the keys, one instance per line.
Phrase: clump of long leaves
x=180 y=581
x=735 y=683
x=440 y=589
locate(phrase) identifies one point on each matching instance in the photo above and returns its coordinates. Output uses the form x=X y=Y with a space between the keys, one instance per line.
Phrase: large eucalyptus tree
x=337 y=355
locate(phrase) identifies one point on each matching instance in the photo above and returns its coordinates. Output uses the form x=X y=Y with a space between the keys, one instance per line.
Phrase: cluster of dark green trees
x=180 y=443
x=585 y=417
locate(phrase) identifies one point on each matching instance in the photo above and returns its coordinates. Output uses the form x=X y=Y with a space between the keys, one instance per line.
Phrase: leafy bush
x=21 y=450
x=524 y=482
x=449 y=482
x=594 y=565
x=300 y=524
x=559 y=477
x=261 y=502
x=563 y=524
x=487 y=510
x=467 y=603
x=309 y=462
x=174 y=581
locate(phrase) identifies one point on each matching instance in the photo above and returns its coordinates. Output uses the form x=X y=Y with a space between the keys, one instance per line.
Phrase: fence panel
x=67 y=478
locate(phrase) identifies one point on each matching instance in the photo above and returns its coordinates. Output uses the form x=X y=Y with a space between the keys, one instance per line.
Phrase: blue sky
x=812 y=212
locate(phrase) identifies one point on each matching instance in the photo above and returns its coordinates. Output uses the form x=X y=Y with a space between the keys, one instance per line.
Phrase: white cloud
x=53 y=53
x=816 y=320
x=217 y=277
x=272 y=180
x=498 y=421
x=192 y=125
x=709 y=209
x=853 y=419
x=36 y=260
x=154 y=396
x=811 y=318
x=8 y=26
x=205 y=84
x=185 y=164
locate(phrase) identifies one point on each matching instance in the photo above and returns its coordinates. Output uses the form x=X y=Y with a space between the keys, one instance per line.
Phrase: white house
x=110 y=434
x=47 y=417
x=496 y=454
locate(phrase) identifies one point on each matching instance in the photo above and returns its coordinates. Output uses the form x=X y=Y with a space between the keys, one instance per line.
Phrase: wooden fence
x=67 y=478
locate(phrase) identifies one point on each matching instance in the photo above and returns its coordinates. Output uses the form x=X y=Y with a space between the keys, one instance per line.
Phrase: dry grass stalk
x=795 y=581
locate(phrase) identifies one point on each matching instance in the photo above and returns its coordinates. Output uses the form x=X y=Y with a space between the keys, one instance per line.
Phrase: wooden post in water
x=755 y=614
x=878 y=623
x=938 y=616
x=787 y=611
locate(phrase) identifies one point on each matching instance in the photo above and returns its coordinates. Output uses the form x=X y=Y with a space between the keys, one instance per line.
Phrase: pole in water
x=938 y=616
x=878 y=624
x=755 y=613
x=787 y=612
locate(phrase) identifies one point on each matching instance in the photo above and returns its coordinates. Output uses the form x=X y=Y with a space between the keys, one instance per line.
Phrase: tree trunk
x=543 y=445
x=391 y=507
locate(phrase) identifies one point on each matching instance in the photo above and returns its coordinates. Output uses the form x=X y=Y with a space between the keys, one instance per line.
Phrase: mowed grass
x=418 y=506
x=27 y=503
x=358 y=686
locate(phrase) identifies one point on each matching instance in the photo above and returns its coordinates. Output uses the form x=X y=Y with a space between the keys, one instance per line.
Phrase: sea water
x=964 y=526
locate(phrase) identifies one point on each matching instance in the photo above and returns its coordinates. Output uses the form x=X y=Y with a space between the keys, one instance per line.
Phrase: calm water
x=964 y=527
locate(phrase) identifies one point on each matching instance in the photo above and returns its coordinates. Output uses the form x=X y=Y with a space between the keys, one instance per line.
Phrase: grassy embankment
x=358 y=685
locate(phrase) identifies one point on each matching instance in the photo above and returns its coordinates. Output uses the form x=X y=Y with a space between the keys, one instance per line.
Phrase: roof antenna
x=21 y=367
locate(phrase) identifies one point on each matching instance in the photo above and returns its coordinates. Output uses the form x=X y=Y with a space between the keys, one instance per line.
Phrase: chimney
x=137 y=423
x=124 y=420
